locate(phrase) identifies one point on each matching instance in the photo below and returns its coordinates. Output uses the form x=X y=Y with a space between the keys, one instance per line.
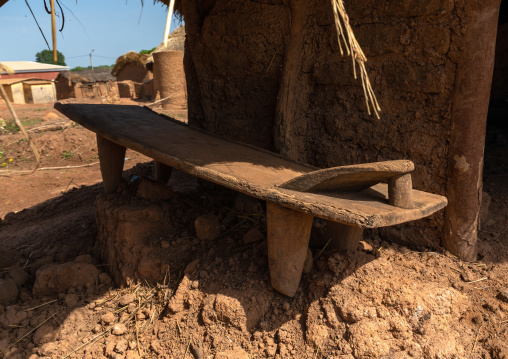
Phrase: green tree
x=46 y=57
x=147 y=52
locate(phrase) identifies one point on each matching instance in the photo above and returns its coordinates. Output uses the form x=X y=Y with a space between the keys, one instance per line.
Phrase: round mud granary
x=169 y=73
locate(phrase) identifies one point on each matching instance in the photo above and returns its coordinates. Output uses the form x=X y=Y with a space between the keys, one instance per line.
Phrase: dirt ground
x=192 y=261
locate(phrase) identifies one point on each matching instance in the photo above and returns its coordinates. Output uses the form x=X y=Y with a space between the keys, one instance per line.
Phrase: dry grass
x=129 y=58
x=353 y=49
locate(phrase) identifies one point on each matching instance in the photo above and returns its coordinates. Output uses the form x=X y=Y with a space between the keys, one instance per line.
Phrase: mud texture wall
x=270 y=73
x=64 y=88
x=168 y=74
x=134 y=73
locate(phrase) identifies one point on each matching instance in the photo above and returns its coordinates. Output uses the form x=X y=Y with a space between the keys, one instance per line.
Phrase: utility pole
x=53 y=30
x=91 y=62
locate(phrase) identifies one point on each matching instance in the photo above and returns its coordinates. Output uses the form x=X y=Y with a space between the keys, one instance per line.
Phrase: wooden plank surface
x=252 y=171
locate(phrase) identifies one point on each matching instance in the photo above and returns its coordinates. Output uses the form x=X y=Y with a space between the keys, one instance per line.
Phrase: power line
x=37 y=24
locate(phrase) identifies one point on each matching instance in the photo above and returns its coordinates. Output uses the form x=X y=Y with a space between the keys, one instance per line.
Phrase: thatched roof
x=176 y=41
x=95 y=75
x=129 y=58
x=6 y=69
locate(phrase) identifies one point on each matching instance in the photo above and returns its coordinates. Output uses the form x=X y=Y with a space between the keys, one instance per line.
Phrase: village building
x=31 y=69
x=89 y=84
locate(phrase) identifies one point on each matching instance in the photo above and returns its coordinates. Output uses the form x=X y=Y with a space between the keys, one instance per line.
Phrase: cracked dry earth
x=194 y=282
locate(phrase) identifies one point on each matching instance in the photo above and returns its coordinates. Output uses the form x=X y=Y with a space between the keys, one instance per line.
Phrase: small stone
x=286 y=306
x=8 y=291
x=131 y=354
x=12 y=317
x=253 y=235
x=7 y=258
x=58 y=278
x=237 y=353
x=207 y=226
x=364 y=246
x=119 y=329
x=108 y=318
x=121 y=346
x=71 y=300
x=45 y=334
x=52 y=116
x=19 y=276
x=127 y=299
x=48 y=349
x=164 y=244
x=85 y=258
x=503 y=295
x=104 y=278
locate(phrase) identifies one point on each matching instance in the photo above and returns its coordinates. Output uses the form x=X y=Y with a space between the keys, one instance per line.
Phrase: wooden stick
x=478 y=280
x=53 y=29
x=164 y=99
x=53 y=168
x=20 y=125
x=42 y=305
x=168 y=22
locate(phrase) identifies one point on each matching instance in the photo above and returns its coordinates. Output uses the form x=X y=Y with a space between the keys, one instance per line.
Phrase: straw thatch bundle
x=5 y=69
x=353 y=49
x=87 y=76
x=129 y=58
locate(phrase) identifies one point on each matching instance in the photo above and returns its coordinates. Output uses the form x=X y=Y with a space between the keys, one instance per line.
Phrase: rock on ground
x=8 y=291
x=59 y=278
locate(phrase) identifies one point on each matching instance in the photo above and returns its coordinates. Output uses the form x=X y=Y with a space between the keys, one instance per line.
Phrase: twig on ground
x=478 y=280
x=51 y=168
x=476 y=340
x=42 y=305
x=164 y=99
x=187 y=350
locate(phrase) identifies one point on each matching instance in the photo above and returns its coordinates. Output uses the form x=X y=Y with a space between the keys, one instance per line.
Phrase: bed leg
x=343 y=236
x=111 y=157
x=162 y=172
x=288 y=240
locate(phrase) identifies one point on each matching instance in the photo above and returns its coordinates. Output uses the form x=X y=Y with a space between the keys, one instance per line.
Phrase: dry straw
x=353 y=49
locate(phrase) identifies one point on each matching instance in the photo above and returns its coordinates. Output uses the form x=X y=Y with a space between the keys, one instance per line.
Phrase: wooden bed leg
x=162 y=172
x=342 y=236
x=111 y=157
x=400 y=191
x=288 y=240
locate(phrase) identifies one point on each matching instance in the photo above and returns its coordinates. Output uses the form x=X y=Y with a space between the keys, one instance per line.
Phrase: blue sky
x=110 y=27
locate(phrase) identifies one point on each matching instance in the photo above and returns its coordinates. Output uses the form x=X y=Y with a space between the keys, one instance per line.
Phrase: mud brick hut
x=87 y=84
x=134 y=80
x=270 y=74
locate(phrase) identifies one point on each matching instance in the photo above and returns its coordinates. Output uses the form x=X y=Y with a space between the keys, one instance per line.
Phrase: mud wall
x=134 y=73
x=233 y=65
x=270 y=73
